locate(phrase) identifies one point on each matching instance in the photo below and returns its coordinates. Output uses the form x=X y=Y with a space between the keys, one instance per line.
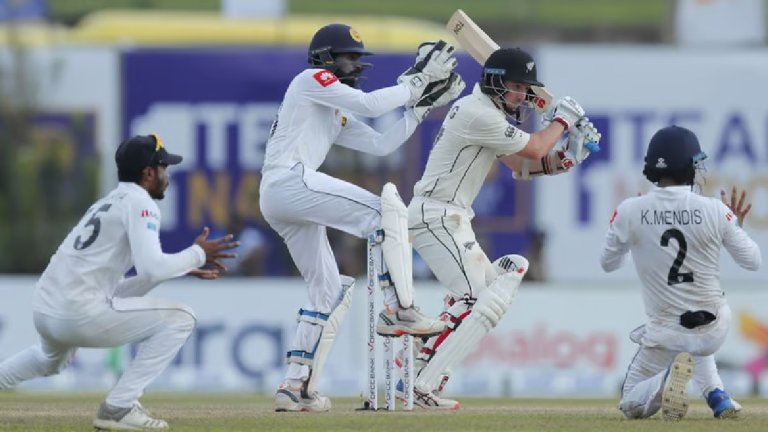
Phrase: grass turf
x=74 y=412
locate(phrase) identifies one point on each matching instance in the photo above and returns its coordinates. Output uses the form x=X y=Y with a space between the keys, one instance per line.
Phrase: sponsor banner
x=556 y=340
x=629 y=93
x=216 y=106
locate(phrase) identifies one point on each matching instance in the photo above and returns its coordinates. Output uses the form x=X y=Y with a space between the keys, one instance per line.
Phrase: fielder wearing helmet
x=676 y=237
x=338 y=48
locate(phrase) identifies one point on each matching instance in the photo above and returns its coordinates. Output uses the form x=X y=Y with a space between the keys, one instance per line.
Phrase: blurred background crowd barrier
x=78 y=76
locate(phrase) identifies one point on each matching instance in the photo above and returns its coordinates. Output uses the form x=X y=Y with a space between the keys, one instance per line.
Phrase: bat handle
x=592 y=147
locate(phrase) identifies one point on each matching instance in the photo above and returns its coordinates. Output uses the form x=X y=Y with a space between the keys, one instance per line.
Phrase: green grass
x=60 y=412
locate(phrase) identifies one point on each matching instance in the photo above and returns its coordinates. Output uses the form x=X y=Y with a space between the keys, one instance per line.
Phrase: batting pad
x=492 y=303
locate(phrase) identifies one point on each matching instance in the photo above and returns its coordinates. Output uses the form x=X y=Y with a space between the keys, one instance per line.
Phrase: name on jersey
x=671 y=217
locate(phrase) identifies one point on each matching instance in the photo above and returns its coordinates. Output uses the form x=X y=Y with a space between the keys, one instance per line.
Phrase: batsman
x=480 y=129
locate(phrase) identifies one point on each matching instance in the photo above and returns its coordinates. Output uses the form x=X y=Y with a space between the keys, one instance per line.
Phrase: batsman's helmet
x=336 y=39
x=673 y=152
x=508 y=64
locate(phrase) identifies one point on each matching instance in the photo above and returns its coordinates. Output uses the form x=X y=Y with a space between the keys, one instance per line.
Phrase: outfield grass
x=48 y=412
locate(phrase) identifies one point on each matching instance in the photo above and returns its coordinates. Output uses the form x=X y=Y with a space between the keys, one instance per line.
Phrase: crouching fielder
x=299 y=202
x=474 y=135
x=675 y=236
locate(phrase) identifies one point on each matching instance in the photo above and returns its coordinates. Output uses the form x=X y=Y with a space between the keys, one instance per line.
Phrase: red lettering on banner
x=325 y=78
x=540 y=347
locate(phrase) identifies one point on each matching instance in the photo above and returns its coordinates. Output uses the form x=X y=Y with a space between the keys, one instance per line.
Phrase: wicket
x=390 y=346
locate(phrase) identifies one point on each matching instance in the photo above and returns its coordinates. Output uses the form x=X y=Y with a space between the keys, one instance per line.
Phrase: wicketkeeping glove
x=434 y=62
x=437 y=94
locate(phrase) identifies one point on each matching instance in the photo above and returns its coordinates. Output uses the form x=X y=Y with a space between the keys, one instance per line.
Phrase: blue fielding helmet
x=674 y=152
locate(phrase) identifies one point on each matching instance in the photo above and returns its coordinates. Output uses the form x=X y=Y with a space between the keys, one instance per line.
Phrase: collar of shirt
x=671 y=190
x=485 y=100
x=133 y=188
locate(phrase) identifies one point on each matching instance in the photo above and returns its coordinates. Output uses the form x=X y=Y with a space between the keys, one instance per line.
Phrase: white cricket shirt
x=675 y=236
x=118 y=232
x=318 y=111
x=474 y=133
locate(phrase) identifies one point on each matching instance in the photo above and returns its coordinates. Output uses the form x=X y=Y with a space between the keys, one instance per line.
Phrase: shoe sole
x=402 y=331
x=728 y=413
x=113 y=425
x=287 y=404
x=674 y=398
x=454 y=407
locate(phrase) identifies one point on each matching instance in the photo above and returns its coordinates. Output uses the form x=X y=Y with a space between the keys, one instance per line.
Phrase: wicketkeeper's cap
x=134 y=154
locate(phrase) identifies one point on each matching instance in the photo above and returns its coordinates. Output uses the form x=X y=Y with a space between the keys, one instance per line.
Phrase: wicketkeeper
x=320 y=109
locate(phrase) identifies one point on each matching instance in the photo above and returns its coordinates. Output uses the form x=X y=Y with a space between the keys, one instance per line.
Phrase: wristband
x=562 y=122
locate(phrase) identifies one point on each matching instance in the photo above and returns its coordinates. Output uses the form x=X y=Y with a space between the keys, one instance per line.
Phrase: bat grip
x=592 y=147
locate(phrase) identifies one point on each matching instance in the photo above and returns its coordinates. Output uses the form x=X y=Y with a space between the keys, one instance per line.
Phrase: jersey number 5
x=675 y=277
x=94 y=222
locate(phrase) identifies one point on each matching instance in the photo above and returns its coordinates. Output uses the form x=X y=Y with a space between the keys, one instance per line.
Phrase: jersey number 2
x=94 y=222
x=675 y=277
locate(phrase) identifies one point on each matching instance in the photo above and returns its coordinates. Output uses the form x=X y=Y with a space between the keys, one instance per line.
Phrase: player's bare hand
x=203 y=273
x=739 y=207
x=216 y=250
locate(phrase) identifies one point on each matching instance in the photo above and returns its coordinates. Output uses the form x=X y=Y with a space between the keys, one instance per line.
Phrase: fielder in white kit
x=83 y=300
x=675 y=236
x=299 y=202
x=475 y=133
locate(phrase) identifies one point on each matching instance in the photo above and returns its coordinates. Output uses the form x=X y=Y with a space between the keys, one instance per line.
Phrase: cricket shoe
x=722 y=405
x=400 y=388
x=674 y=397
x=134 y=418
x=408 y=321
x=431 y=401
x=288 y=399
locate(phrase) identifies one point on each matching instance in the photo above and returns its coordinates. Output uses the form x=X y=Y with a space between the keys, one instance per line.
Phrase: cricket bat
x=479 y=45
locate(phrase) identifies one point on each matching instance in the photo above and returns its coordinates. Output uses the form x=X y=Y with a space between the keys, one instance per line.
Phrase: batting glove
x=566 y=112
x=583 y=140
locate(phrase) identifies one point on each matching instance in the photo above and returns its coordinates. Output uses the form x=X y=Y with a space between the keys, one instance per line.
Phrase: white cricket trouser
x=659 y=344
x=299 y=204
x=160 y=328
x=442 y=235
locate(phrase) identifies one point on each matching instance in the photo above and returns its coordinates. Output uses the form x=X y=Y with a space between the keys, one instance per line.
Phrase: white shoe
x=408 y=321
x=294 y=400
x=674 y=397
x=736 y=405
x=431 y=401
x=134 y=418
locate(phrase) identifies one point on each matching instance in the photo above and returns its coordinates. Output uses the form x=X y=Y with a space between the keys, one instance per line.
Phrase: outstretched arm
x=359 y=136
x=739 y=245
